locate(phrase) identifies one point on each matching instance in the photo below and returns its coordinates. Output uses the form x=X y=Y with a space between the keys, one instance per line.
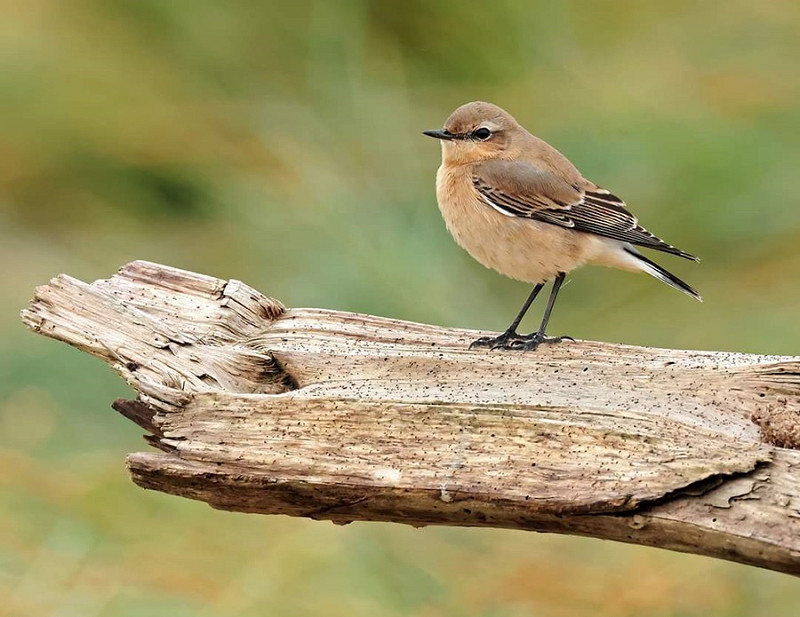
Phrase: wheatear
x=518 y=206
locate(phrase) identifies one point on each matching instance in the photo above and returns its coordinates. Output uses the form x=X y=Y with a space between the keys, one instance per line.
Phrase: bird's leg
x=510 y=336
x=532 y=341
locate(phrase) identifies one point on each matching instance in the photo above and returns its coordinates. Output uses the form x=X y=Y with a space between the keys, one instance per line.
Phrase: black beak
x=441 y=134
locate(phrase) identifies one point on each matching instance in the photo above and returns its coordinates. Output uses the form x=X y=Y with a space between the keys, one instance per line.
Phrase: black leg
x=511 y=340
x=510 y=334
x=551 y=302
x=534 y=292
x=538 y=337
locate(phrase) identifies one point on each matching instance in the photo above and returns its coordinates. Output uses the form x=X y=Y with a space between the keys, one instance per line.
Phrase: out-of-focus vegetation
x=279 y=143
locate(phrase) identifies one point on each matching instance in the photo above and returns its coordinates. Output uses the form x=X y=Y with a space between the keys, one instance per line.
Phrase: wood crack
x=307 y=412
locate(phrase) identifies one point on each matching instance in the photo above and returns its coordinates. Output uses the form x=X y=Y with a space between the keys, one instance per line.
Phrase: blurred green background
x=279 y=143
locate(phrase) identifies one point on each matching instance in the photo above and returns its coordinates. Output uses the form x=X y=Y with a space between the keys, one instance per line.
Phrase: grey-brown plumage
x=519 y=206
x=521 y=189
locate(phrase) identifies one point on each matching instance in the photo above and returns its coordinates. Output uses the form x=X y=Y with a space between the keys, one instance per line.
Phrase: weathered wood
x=346 y=417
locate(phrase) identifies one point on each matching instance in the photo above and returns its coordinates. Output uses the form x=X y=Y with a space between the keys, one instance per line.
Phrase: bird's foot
x=510 y=340
x=507 y=340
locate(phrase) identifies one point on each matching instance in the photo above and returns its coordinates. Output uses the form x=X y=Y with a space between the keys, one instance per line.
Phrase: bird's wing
x=521 y=189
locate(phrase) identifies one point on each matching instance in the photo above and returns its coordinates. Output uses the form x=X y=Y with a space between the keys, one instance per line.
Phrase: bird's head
x=475 y=132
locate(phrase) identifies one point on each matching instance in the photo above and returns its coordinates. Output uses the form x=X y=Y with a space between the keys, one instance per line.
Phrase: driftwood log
x=338 y=416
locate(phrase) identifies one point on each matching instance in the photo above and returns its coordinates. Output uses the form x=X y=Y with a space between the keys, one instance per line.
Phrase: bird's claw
x=516 y=342
x=486 y=342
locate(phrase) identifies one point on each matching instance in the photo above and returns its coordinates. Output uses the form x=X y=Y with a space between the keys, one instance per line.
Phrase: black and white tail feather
x=595 y=211
x=653 y=269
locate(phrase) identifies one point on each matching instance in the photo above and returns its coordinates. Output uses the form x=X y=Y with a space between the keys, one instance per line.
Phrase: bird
x=520 y=207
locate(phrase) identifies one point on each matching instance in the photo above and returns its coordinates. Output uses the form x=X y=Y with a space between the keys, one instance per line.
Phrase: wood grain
x=344 y=417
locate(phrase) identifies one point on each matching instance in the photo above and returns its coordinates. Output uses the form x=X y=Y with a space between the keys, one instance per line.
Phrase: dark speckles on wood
x=352 y=417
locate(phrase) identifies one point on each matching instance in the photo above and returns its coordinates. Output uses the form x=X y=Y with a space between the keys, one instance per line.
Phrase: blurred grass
x=279 y=143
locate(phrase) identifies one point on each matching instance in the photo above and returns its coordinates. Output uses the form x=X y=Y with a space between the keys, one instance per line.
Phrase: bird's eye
x=482 y=133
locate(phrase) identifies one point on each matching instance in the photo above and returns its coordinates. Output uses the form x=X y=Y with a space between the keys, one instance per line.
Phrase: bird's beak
x=440 y=134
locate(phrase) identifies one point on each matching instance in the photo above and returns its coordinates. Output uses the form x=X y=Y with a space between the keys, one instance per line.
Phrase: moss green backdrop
x=279 y=143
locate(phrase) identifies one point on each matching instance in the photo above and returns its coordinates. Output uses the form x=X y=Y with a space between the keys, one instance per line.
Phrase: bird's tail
x=653 y=269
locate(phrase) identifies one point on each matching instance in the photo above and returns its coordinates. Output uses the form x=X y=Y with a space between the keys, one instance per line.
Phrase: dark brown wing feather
x=523 y=190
